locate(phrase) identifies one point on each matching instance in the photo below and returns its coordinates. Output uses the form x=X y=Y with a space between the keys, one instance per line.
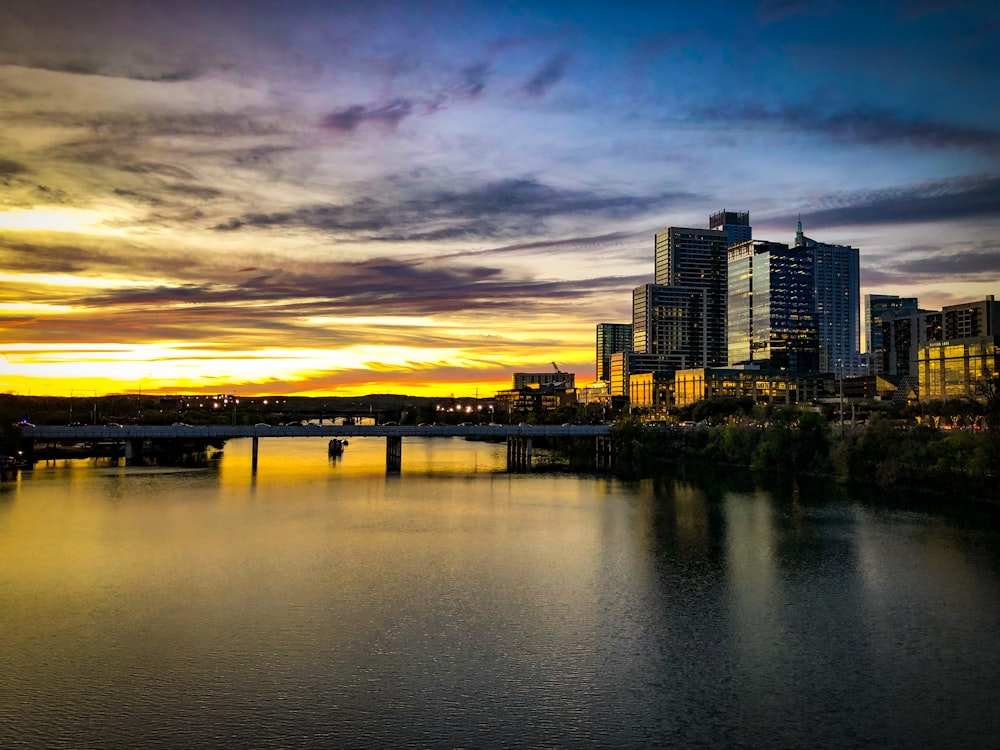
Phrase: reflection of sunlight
x=56 y=220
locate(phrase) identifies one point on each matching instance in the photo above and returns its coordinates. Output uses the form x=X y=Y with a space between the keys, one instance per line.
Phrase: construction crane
x=558 y=383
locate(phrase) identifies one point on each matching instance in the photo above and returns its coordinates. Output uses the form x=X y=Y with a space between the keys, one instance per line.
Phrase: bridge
x=518 y=437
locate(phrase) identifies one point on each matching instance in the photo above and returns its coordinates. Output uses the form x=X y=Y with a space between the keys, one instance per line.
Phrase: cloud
x=78 y=67
x=503 y=208
x=473 y=80
x=939 y=200
x=10 y=167
x=859 y=125
x=387 y=115
x=547 y=76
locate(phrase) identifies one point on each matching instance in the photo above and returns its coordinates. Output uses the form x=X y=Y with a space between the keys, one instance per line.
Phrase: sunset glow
x=347 y=199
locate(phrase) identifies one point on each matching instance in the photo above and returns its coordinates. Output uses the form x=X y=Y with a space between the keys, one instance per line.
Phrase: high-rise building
x=903 y=335
x=611 y=338
x=971 y=319
x=670 y=320
x=879 y=308
x=695 y=259
x=955 y=353
x=837 y=283
x=736 y=225
x=772 y=307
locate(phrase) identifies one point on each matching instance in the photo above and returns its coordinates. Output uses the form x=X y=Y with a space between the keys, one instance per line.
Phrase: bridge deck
x=224 y=432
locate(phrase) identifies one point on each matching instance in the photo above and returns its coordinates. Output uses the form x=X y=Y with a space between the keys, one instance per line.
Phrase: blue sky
x=326 y=197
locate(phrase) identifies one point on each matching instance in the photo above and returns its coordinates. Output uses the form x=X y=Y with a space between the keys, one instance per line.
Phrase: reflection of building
x=963 y=358
x=695 y=260
x=772 y=318
x=836 y=276
x=611 y=339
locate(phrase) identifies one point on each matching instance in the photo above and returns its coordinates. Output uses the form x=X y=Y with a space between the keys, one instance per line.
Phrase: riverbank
x=879 y=456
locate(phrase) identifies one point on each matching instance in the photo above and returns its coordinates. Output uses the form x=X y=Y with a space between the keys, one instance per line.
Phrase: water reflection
x=326 y=603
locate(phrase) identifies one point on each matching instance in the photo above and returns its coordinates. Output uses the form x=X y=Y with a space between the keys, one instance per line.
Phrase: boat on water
x=336 y=447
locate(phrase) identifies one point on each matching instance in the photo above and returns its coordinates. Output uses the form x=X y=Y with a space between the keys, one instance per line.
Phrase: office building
x=556 y=379
x=736 y=225
x=611 y=338
x=971 y=319
x=961 y=358
x=903 y=334
x=879 y=308
x=624 y=365
x=772 y=307
x=694 y=259
x=670 y=320
x=837 y=285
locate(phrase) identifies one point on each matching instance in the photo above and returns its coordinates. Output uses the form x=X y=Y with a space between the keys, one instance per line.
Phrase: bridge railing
x=224 y=432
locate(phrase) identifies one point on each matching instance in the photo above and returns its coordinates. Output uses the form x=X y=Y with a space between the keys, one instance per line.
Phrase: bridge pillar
x=604 y=452
x=393 y=453
x=518 y=453
x=133 y=452
x=253 y=455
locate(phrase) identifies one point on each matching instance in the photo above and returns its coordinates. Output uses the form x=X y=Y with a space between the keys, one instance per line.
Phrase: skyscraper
x=669 y=321
x=772 y=310
x=736 y=225
x=611 y=338
x=837 y=284
x=695 y=259
x=878 y=309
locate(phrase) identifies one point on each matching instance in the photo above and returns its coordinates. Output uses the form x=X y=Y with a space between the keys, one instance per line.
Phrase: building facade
x=772 y=309
x=547 y=379
x=736 y=225
x=958 y=368
x=670 y=320
x=961 y=358
x=611 y=339
x=696 y=259
x=626 y=364
x=837 y=285
x=879 y=308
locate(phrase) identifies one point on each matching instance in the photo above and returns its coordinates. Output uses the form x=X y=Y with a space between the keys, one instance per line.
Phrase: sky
x=342 y=198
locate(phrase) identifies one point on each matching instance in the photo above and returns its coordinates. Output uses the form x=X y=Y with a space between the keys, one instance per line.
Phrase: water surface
x=325 y=604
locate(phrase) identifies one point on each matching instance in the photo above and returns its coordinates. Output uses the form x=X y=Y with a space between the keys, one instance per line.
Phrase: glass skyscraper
x=611 y=339
x=837 y=284
x=772 y=310
x=695 y=259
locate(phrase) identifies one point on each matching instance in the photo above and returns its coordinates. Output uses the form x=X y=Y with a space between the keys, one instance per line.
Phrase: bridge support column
x=133 y=452
x=253 y=455
x=604 y=452
x=393 y=453
x=518 y=453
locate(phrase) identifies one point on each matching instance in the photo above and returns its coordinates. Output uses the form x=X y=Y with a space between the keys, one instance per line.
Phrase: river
x=322 y=603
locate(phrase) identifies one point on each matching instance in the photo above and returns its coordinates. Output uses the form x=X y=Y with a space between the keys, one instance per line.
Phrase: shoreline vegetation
x=881 y=455
x=948 y=452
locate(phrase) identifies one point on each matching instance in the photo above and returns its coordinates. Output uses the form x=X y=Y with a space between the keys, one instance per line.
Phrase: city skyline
x=425 y=198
